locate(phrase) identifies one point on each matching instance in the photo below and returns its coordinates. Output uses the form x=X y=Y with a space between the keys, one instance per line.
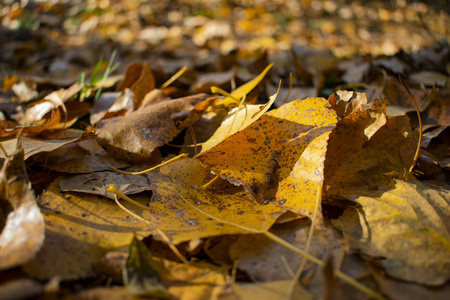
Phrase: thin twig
x=416 y=155
x=174 y=77
x=164 y=237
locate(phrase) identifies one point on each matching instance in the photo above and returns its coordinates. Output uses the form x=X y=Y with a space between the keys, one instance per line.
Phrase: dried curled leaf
x=23 y=233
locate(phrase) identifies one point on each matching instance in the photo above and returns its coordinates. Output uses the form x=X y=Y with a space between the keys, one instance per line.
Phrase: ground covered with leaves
x=224 y=150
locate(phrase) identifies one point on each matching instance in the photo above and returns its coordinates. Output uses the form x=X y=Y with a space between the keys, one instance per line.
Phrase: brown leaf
x=132 y=74
x=136 y=136
x=33 y=146
x=81 y=157
x=98 y=182
x=23 y=233
x=354 y=160
x=143 y=85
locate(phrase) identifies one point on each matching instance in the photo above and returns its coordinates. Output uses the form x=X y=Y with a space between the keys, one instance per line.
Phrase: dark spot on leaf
x=282 y=201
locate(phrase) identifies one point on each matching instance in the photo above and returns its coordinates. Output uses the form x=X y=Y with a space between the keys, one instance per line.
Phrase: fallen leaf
x=401 y=290
x=205 y=81
x=111 y=104
x=80 y=229
x=23 y=233
x=50 y=103
x=429 y=78
x=33 y=146
x=185 y=212
x=236 y=121
x=97 y=183
x=293 y=138
x=132 y=74
x=406 y=225
x=244 y=89
x=80 y=158
x=353 y=160
x=143 y=85
x=21 y=289
x=134 y=137
x=24 y=90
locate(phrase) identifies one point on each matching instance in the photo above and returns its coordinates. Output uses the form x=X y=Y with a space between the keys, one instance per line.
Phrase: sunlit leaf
x=23 y=233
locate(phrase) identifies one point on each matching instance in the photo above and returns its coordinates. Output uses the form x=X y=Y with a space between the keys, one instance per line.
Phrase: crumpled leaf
x=407 y=226
x=293 y=138
x=353 y=160
x=80 y=229
x=134 y=137
x=23 y=233
x=49 y=103
x=140 y=274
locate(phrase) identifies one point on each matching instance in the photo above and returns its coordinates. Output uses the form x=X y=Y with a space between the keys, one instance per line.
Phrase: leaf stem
x=416 y=155
x=184 y=155
x=115 y=191
x=174 y=77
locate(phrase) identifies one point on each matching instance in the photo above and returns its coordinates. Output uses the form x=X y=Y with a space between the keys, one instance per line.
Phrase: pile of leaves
x=223 y=183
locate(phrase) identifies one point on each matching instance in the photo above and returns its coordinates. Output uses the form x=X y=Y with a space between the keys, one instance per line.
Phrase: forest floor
x=384 y=218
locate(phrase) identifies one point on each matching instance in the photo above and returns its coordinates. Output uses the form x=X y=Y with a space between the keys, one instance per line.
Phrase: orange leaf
x=293 y=138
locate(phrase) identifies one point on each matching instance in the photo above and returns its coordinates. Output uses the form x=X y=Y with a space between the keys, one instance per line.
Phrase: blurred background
x=63 y=38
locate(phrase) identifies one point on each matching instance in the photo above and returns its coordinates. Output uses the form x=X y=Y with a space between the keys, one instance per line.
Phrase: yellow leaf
x=237 y=121
x=293 y=138
x=79 y=230
x=186 y=212
x=244 y=89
